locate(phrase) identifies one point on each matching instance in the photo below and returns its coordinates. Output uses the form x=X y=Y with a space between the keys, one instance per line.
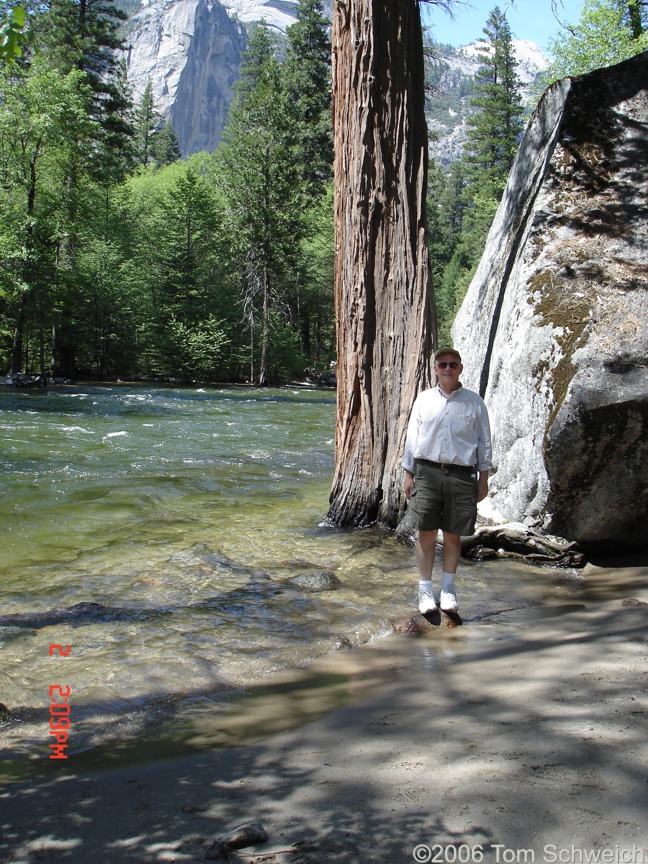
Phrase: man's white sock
x=425 y=586
x=448 y=582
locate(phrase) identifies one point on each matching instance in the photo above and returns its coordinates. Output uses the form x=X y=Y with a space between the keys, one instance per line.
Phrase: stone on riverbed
x=420 y=624
x=323 y=580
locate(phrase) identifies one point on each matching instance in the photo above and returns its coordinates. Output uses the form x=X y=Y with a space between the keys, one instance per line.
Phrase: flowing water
x=187 y=513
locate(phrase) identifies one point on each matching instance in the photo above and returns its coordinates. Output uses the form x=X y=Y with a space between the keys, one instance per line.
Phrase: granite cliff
x=191 y=51
x=553 y=327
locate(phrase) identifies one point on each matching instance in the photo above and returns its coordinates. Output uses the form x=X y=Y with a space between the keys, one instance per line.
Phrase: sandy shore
x=524 y=740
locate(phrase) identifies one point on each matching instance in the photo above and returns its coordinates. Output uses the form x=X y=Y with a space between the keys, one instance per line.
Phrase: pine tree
x=496 y=126
x=259 y=179
x=480 y=177
x=146 y=122
x=165 y=149
x=308 y=77
x=307 y=83
x=85 y=35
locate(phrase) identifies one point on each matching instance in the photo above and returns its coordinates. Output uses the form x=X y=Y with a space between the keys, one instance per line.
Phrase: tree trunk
x=16 y=362
x=383 y=295
x=17 y=350
x=265 y=326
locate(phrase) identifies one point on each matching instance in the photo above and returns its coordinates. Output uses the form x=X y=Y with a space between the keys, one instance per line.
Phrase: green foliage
x=14 y=34
x=608 y=32
x=189 y=351
x=307 y=76
x=176 y=267
x=285 y=357
x=45 y=134
x=315 y=298
x=165 y=149
x=119 y=259
x=105 y=312
x=84 y=35
x=269 y=164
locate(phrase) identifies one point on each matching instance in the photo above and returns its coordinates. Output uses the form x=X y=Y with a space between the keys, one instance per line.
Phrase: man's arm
x=484 y=454
x=410 y=446
x=408 y=486
x=482 y=485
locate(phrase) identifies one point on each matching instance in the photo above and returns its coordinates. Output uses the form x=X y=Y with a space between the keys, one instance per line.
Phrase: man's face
x=448 y=369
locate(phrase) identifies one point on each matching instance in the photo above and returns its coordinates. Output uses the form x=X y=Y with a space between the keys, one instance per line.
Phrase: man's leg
x=451 y=556
x=425 y=549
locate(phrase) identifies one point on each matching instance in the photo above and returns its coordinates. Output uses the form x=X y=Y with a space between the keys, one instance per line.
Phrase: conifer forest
x=120 y=259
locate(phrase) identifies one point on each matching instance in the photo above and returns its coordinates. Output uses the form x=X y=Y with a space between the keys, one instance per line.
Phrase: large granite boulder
x=553 y=328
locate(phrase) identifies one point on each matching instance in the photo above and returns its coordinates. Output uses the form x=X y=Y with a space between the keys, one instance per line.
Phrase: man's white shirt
x=450 y=429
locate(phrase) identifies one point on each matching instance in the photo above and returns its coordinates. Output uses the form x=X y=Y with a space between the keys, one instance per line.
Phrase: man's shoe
x=448 y=602
x=426 y=602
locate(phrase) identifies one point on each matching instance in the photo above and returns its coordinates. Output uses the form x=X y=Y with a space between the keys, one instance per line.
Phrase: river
x=187 y=513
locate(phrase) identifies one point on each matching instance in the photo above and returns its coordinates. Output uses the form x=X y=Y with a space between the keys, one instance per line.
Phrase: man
x=447 y=461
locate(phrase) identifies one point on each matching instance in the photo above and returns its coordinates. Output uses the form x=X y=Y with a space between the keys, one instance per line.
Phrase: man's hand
x=482 y=486
x=409 y=484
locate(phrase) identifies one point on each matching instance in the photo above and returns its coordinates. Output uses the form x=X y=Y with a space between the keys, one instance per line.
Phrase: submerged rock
x=80 y=611
x=323 y=580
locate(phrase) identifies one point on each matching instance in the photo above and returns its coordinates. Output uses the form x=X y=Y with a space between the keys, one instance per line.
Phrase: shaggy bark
x=384 y=304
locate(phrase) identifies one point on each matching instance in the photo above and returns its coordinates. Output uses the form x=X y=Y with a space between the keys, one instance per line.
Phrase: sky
x=528 y=19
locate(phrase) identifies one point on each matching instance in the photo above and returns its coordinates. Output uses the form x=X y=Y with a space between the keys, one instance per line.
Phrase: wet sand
x=519 y=739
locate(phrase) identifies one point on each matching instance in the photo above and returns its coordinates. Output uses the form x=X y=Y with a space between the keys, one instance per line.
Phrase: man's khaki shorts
x=444 y=498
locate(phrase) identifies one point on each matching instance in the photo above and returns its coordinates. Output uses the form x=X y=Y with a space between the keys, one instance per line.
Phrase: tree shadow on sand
x=500 y=747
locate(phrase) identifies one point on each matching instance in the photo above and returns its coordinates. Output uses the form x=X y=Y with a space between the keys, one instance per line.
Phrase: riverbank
x=523 y=741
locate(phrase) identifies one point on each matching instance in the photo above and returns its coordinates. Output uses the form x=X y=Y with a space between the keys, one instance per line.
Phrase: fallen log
x=515 y=540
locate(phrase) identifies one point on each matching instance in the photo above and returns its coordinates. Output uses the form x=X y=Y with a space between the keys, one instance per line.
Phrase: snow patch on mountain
x=529 y=57
x=279 y=14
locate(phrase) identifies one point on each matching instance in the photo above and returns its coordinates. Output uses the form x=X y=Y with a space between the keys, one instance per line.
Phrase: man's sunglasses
x=452 y=364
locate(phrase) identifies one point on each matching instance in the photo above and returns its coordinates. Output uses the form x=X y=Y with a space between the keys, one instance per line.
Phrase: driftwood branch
x=518 y=541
